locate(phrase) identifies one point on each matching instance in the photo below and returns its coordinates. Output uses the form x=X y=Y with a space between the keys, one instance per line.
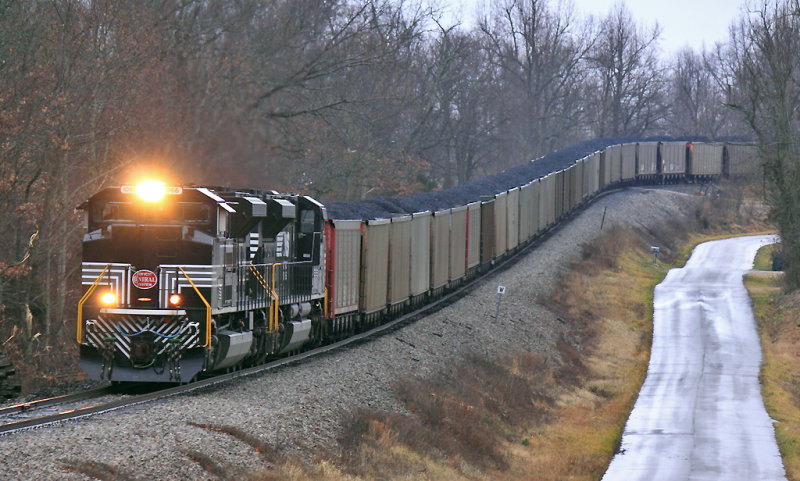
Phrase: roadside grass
x=459 y=421
x=763 y=260
x=610 y=292
x=777 y=315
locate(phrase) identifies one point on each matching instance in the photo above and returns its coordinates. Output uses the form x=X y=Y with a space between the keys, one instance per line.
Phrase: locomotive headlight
x=175 y=299
x=151 y=190
x=109 y=298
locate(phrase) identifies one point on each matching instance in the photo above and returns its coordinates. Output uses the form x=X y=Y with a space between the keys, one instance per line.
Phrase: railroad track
x=57 y=409
x=48 y=411
x=43 y=412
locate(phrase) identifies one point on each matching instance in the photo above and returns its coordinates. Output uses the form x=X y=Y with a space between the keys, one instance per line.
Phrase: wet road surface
x=700 y=415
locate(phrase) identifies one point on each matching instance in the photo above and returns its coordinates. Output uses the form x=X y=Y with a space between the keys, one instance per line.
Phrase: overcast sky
x=696 y=23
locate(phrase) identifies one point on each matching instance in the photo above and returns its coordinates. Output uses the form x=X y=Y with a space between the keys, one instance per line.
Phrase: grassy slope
x=777 y=314
x=561 y=419
x=588 y=421
x=763 y=260
x=558 y=418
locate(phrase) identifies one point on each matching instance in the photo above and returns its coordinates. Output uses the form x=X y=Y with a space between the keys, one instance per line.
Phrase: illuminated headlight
x=175 y=300
x=109 y=298
x=151 y=190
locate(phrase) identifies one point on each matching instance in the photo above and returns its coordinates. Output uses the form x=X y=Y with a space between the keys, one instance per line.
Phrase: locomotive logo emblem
x=144 y=279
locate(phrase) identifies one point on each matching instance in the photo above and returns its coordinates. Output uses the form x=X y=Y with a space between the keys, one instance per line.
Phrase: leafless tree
x=697 y=104
x=628 y=80
x=538 y=51
x=765 y=88
x=456 y=119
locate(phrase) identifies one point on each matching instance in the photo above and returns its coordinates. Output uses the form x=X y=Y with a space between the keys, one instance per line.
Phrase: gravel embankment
x=299 y=408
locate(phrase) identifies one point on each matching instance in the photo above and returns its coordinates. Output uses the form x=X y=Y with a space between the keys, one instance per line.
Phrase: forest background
x=339 y=99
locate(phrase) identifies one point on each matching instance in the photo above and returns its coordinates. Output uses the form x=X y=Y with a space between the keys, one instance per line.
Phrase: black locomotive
x=180 y=280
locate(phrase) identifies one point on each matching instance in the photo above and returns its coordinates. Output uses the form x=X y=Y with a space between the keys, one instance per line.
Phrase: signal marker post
x=656 y=251
x=500 y=291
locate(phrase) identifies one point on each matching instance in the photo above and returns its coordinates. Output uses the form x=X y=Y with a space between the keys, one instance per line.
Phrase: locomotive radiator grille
x=125 y=329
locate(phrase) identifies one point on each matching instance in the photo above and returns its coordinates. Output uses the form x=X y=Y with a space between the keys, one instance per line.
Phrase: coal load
x=472 y=191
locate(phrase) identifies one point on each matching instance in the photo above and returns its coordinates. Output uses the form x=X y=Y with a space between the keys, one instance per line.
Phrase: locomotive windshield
x=127 y=228
x=185 y=213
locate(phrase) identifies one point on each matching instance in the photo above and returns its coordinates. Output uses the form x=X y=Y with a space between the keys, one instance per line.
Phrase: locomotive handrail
x=276 y=302
x=85 y=298
x=270 y=286
x=273 y=313
x=208 y=307
x=272 y=294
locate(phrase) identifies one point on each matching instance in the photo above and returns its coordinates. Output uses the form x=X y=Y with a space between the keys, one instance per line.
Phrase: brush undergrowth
x=43 y=365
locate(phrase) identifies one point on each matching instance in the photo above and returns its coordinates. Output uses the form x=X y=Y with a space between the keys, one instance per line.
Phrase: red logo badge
x=144 y=279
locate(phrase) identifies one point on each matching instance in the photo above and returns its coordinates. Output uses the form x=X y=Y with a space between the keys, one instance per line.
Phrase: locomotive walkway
x=700 y=414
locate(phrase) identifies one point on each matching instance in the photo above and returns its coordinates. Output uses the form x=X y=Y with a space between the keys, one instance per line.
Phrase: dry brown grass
x=615 y=281
x=493 y=420
x=271 y=454
x=209 y=464
x=460 y=416
x=777 y=315
x=96 y=470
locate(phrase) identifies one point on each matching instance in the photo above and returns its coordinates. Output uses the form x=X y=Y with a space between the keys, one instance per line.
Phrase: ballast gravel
x=299 y=409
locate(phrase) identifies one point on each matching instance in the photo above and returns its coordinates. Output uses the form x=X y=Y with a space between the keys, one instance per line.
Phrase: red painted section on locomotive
x=330 y=268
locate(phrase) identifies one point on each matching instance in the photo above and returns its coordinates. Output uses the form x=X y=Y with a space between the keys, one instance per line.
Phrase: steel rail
x=52 y=401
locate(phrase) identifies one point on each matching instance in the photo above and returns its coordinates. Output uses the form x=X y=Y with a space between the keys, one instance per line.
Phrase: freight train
x=183 y=281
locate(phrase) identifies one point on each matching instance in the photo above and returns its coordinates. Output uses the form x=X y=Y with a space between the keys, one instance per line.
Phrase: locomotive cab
x=177 y=230
x=184 y=280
